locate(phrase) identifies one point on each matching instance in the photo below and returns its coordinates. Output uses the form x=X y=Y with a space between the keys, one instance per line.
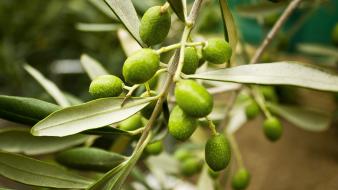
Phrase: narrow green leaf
x=278 y=73
x=307 y=119
x=92 y=67
x=21 y=141
x=102 y=6
x=317 y=49
x=125 y=11
x=91 y=115
x=48 y=85
x=35 y=172
x=2 y=188
x=25 y=110
x=178 y=8
x=129 y=44
x=95 y=27
x=237 y=119
x=260 y=9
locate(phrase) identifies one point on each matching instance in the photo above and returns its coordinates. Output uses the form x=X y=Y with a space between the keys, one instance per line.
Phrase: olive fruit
x=241 y=179
x=182 y=154
x=193 y=98
x=191 y=166
x=335 y=34
x=181 y=126
x=191 y=60
x=141 y=66
x=106 y=86
x=217 y=51
x=155 y=25
x=154 y=148
x=252 y=110
x=217 y=152
x=132 y=123
x=272 y=128
x=269 y=93
x=213 y=174
x=148 y=110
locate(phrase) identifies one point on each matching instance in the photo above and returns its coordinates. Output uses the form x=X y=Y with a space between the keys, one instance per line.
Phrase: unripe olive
x=241 y=179
x=269 y=93
x=141 y=66
x=193 y=98
x=190 y=60
x=217 y=152
x=217 y=51
x=183 y=154
x=181 y=126
x=154 y=148
x=148 y=110
x=132 y=123
x=272 y=128
x=252 y=110
x=213 y=174
x=106 y=86
x=191 y=166
x=335 y=34
x=155 y=25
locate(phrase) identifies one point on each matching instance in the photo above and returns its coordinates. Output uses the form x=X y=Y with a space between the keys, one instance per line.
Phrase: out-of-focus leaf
x=260 y=9
x=125 y=11
x=165 y=163
x=91 y=115
x=129 y=45
x=35 y=172
x=316 y=49
x=92 y=67
x=102 y=6
x=278 y=73
x=178 y=8
x=204 y=181
x=307 y=119
x=21 y=141
x=94 y=27
x=237 y=119
x=48 y=85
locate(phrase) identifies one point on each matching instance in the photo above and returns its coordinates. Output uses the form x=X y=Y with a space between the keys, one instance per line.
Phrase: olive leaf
x=2 y=188
x=91 y=115
x=178 y=8
x=48 y=85
x=95 y=27
x=125 y=11
x=260 y=9
x=129 y=45
x=237 y=119
x=204 y=181
x=307 y=119
x=92 y=67
x=35 y=172
x=317 y=49
x=102 y=6
x=278 y=73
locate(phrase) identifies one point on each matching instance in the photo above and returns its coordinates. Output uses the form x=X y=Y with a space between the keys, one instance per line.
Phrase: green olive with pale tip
x=217 y=152
x=106 y=86
x=241 y=179
x=154 y=148
x=132 y=123
x=181 y=126
x=191 y=60
x=272 y=128
x=217 y=51
x=141 y=66
x=148 y=110
x=191 y=166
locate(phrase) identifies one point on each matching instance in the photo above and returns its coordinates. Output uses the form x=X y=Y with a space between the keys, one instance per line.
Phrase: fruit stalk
x=236 y=151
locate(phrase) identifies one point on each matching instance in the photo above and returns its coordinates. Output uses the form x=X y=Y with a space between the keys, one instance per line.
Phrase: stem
x=147 y=88
x=165 y=7
x=259 y=98
x=211 y=126
x=131 y=90
x=237 y=152
x=178 y=45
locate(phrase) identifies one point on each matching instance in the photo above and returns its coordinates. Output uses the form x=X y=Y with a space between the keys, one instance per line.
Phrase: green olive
x=106 y=86
x=191 y=60
x=155 y=25
x=217 y=51
x=141 y=66
x=148 y=110
x=191 y=166
x=183 y=154
x=272 y=128
x=241 y=179
x=335 y=34
x=252 y=110
x=181 y=126
x=132 y=123
x=213 y=174
x=193 y=98
x=217 y=152
x=154 y=148
x=269 y=93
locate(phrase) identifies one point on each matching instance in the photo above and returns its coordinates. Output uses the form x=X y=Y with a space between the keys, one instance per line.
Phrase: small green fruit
x=191 y=166
x=217 y=51
x=183 y=154
x=154 y=148
x=272 y=128
x=213 y=174
x=106 y=86
x=241 y=179
x=148 y=110
x=335 y=34
x=193 y=98
x=132 y=123
x=252 y=110
x=141 y=66
x=269 y=93
x=181 y=126
x=217 y=152
x=155 y=25
x=191 y=60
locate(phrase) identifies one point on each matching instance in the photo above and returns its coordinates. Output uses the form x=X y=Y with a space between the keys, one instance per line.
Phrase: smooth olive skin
x=181 y=126
x=155 y=25
x=241 y=179
x=272 y=128
x=154 y=148
x=141 y=66
x=148 y=110
x=106 y=86
x=193 y=98
x=217 y=51
x=132 y=123
x=191 y=60
x=252 y=110
x=217 y=152
x=191 y=166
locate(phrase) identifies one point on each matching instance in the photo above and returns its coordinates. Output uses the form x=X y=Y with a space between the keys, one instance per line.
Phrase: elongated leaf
x=230 y=29
x=34 y=172
x=178 y=8
x=2 y=188
x=129 y=45
x=21 y=141
x=260 y=9
x=204 y=181
x=94 y=27
x=317 y=49
x=49 y=86
x=237 y=119
x=278 y=73
x=310 y=120
x=102 y=6
x=92 y=67
x=25 y=110
x=126 y=12
x=90 y=115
